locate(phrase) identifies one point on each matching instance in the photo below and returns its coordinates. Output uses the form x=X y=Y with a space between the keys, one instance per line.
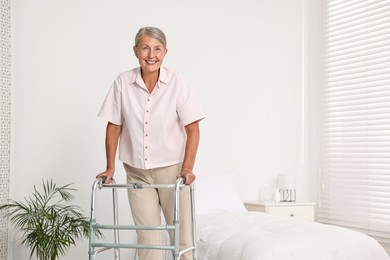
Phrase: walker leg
x=176 y=223
x=92 y=220
x=116 y=222
x=193 y=219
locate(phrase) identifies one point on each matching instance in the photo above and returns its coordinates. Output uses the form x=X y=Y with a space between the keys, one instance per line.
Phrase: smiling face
x=150 y=53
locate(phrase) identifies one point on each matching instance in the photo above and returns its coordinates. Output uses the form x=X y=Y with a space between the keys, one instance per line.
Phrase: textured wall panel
x=5 y=117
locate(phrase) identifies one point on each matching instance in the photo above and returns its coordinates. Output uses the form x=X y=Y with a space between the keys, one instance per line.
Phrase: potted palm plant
x=49 y=224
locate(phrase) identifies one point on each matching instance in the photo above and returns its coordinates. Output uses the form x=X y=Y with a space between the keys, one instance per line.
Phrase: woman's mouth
x=151 y=62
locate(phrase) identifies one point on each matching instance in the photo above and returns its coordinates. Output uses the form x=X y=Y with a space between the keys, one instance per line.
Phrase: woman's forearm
x=112 y=138
x=193 y=136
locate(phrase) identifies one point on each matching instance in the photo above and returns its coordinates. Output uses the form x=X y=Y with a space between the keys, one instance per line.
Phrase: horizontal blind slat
x=352 y=49
x=360 y=22
x=359 y=61
x=363 y=87
x=339 y=40
x=354 y=11
x=356 y=69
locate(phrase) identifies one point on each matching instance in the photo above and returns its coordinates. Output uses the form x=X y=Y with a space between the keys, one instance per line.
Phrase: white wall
x=245 y=59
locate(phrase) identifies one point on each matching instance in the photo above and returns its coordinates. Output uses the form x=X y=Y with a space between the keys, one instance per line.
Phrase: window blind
x=355 y=116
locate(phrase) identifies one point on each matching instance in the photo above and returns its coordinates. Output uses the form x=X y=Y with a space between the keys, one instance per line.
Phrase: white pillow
x=216 y=193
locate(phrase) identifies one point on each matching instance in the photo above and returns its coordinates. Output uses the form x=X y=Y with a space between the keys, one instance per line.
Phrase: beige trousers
x=146 y=205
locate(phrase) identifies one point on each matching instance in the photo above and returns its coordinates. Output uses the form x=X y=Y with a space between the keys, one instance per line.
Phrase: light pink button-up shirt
x=153 y=133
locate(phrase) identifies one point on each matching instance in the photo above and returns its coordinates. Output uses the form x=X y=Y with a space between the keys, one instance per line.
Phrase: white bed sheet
x=257 y=236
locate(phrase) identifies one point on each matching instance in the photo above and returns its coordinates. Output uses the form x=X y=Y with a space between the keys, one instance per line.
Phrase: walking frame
x=98 y=247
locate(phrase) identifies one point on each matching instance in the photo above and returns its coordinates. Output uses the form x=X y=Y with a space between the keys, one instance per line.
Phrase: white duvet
x=257 y=236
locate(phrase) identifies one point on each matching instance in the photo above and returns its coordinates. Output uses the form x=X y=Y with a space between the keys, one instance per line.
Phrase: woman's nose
x=150 y=54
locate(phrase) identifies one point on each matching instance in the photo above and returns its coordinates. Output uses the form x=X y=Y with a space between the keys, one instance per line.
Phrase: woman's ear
x=135 y=51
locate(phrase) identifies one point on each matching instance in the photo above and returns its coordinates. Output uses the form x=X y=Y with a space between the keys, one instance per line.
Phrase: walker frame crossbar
x=98 y=247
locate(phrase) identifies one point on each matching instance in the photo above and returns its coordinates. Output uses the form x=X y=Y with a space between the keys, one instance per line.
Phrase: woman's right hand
x=108 y=174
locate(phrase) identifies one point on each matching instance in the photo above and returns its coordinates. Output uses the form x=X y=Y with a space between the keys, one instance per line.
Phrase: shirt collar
x=163 y=77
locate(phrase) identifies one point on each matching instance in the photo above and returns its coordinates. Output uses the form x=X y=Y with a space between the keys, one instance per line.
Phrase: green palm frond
x=48 y=223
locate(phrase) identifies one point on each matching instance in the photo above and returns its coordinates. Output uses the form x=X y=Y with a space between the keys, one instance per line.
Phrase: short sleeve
x=111 y=109
x=189 y=108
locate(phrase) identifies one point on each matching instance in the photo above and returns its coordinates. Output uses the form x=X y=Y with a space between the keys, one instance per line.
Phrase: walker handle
x=103 y=178
x=184 y=179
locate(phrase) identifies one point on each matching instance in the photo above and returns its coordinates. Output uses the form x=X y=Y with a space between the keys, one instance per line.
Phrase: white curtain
x=355 y=152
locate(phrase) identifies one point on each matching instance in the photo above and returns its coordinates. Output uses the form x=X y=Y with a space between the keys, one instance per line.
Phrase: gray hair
x=153 y=32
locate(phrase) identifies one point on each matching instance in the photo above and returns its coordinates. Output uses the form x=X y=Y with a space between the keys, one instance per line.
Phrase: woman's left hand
x=190 y=177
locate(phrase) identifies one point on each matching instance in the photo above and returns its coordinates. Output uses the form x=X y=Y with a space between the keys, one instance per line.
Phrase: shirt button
x=146 y=147
x=146 y=123
x=147 y=111
x=146 y=135
x=146 y=159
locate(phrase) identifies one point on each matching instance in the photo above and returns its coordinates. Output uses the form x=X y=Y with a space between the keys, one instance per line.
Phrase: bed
x=226 y=231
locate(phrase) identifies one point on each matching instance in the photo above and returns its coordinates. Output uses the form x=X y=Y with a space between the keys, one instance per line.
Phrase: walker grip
x=103 y=178
x=184 y=179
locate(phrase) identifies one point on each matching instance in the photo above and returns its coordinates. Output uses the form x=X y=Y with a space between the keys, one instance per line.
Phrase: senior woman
x=153 y=114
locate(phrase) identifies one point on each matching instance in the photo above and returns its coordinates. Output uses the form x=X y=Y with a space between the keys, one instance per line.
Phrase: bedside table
x=303 y=211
